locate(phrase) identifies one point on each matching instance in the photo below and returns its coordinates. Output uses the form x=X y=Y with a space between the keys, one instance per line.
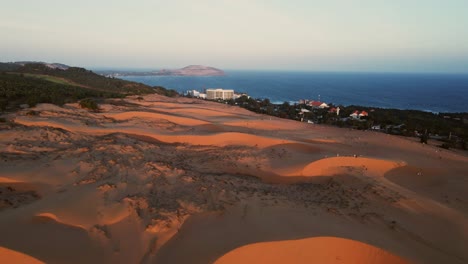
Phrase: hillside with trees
x=34 y=83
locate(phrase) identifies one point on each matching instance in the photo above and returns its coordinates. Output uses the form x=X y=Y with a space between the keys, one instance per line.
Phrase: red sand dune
x=320 y=250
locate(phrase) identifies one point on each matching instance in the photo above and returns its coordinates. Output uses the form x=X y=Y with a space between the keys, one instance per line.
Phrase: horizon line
x=145 y=69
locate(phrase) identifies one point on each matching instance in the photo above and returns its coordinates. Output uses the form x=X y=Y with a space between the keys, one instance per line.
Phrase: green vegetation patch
x=17 y=89
x=89 y=79
x=36 y=83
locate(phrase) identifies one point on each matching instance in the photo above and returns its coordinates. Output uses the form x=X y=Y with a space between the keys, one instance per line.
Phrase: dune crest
x=49 y=217
x=218 y=139
x=323 y=250
x=350 y=165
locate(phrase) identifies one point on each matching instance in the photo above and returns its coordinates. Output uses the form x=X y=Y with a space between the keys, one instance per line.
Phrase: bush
x=89 y=104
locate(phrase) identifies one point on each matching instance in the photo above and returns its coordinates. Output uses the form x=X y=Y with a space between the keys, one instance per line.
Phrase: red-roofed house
x=324 y=105
x=318 y=104
x=363 y=114
x=358 y=115
x=315 y=103
x=355 y=114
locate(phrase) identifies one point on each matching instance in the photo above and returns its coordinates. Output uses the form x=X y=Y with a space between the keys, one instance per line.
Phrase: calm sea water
x=427 y=92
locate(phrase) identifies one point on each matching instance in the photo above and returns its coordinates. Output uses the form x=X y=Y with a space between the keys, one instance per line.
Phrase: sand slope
x=324 y=250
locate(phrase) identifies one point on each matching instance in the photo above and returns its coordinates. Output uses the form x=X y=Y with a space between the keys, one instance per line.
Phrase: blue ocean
x=427 y=92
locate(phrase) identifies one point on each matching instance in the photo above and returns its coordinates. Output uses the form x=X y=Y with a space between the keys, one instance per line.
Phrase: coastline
x=436 y=93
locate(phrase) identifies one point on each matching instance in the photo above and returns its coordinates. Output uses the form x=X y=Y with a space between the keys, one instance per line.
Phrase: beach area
x=153 y=179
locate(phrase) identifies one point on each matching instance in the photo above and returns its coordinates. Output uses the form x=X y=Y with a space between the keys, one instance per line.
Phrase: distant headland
x=17 y=64
x=191 y=70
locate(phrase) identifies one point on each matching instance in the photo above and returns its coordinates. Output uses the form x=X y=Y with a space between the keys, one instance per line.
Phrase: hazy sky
x=318 y=35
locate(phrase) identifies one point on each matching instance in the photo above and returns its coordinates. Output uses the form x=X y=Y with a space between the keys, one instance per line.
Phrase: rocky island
x=191 y=70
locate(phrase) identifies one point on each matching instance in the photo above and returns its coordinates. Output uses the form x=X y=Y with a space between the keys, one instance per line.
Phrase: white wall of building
x=214 y=94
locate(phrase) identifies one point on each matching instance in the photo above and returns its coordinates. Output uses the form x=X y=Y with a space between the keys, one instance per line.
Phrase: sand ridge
x=350 y=165
x=220 y=139
x=325 y=250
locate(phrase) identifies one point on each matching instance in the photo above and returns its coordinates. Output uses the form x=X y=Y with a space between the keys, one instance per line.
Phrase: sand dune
x=143 y=180
x=226 y=139
x=324 y=250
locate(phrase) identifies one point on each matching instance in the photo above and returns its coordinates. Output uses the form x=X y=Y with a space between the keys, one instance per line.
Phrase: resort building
x=213 y=94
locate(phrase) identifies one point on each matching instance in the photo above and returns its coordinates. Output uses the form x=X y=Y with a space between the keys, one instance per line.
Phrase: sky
x=309 y=35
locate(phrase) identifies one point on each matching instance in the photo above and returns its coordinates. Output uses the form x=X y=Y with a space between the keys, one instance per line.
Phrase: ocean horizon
x=432 y=92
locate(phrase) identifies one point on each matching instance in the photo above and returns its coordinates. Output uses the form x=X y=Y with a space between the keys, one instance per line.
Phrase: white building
x=213 y=94
x=355 y=114
x=324 y=105
x=193 y=93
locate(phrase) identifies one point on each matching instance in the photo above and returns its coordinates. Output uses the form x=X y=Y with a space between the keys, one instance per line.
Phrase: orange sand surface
x=7 y=180
x=324 y=250
x=175 y=119
x=336 y=165
x=14 y=257
x=178 y=180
